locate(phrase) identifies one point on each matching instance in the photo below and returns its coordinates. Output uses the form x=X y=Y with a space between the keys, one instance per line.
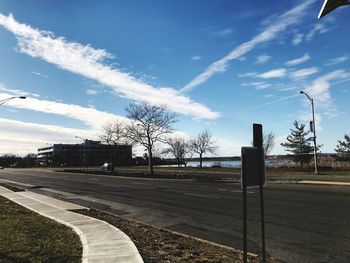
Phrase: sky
x=221 y=65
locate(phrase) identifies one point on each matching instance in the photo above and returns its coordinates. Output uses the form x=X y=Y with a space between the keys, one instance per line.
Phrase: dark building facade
x=89 y=153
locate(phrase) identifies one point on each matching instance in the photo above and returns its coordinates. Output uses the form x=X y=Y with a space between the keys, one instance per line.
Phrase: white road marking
x=207 y=196
x=234 y=191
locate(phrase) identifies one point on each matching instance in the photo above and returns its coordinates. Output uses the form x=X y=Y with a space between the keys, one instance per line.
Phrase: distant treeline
x=238 y=158
x=11 y=160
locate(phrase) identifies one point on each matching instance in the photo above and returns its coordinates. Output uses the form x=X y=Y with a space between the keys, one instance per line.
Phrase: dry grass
x=158 y=245
x=28 y=237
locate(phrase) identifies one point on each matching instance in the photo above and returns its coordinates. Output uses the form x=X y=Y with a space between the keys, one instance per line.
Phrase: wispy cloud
x=335 y=61
x=196 y=57
x=257 y=85
x=279 y=24
x=91 y=92
x=93 y=118
x=223 y=32
x=248 y=74
x=269 y=103
x=24 y=137
x=262 y=59
x=40 y=74
x=303 y=73
x=16 y=92
x=298 y=61
x=90 y=63
x=275 y=73
x=297 y=39
x=317 y=28
x=320 y=90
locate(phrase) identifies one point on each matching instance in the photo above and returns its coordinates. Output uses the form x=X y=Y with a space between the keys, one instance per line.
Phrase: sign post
x=244 y=188
x=258 y=143
x=253 y=176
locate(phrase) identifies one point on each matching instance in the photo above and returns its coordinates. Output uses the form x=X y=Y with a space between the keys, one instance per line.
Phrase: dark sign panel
x=253 y=167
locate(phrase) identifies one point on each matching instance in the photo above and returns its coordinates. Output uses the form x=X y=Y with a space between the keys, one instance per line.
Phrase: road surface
x=304 y=223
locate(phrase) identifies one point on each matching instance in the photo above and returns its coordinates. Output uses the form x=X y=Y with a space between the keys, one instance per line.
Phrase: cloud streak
x=275 y=73
x=269 y=103
x=93 y=118
x=24 y=137
x=298 y=61
x=40 y=74
x=259 y=85
x=303 y=73
x=283 y=21
x=320 y=90
x=262 y=59
x=335 y=61
x=91 y=63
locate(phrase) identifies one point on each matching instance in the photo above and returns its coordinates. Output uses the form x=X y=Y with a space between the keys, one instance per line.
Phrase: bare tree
x=203 y=143
x=113 y=133
x=178 y=147
x=149 y=124
x=268 y=143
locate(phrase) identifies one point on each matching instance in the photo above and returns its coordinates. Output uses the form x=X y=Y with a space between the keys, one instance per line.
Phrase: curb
x=101 y=241
x=324 y=183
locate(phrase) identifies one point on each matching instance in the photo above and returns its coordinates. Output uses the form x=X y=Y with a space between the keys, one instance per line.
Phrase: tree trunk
x=200 y=160
x=112 y=161
x=150 y=160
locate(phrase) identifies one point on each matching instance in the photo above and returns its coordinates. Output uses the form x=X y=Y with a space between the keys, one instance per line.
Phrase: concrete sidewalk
x=101 y=241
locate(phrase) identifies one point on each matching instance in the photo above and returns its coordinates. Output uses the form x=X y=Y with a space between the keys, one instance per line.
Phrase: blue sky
x=220 y=65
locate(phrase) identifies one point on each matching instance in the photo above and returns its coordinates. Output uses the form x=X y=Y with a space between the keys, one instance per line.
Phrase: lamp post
x=84 y=142
x=11 y=98
x=313 y=129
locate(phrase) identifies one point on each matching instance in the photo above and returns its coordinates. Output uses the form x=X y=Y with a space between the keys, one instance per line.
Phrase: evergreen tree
x=298 y=145
x=343 y=149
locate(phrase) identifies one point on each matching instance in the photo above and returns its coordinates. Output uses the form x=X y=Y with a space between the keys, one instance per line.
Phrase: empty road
x=304 y=223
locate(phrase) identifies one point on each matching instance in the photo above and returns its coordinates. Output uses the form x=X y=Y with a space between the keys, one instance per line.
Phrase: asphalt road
x=304 y=223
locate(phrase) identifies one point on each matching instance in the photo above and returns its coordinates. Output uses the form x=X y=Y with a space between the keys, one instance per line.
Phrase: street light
x=313 y=129
x=84 y=142
x=11 y=98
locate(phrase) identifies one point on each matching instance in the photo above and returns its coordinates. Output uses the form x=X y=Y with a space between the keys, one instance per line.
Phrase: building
x=89 y=153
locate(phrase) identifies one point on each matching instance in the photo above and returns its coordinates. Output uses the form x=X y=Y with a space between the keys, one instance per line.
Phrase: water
x=237 y=164
x=226 y=164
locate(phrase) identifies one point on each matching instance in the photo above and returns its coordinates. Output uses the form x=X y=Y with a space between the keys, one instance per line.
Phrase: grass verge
x=159 y=245
x=28 y=237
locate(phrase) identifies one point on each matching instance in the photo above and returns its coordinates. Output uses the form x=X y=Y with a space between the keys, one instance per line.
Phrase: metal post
x=258 y=143
x=84 y=150
x=314 y=129
x=245 y=232
x=262 y=212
